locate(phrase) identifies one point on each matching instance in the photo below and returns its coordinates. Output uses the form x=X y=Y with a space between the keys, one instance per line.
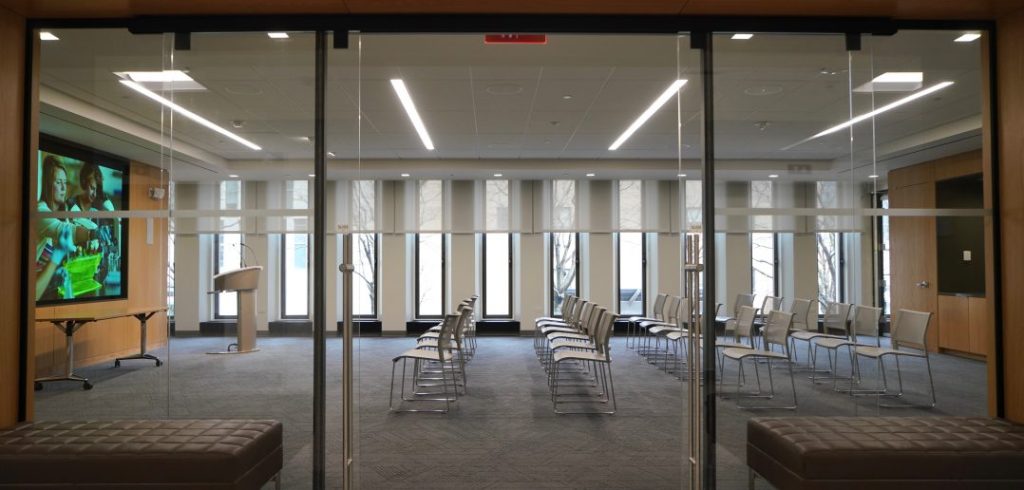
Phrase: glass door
x=502 y=178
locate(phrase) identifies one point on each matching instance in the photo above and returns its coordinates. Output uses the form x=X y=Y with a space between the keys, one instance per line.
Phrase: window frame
x=618 y=271
x=416 y=274
x=841 y=276
x=551 y=259
x=284 y=279
x=483 y=271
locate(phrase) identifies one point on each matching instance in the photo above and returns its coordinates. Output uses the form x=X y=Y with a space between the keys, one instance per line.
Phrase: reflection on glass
x=429 y=274
x=631 y=273
x=563 y=269
x=497 y=273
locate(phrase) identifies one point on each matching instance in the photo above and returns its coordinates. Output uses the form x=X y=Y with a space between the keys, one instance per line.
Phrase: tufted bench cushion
x=164 y=454
x=886 y=452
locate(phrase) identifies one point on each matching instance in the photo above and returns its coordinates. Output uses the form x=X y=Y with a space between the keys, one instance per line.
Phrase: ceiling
x=522 y=110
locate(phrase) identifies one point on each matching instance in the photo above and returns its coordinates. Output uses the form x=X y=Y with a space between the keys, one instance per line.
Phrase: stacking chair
x=581 y=312
x=729 y=321
x=459 y=351
x=775 y=334
x=662 y=329
x=909 y=339
x=567 y=307
x=836 y=316
x=583 y=337
x=657 y=315
x=865 y=322
x=669 y=311
x=441 y=356
x=768 y=305
x=599 y=359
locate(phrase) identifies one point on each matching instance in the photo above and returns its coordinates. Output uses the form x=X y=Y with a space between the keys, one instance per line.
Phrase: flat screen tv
x=80 y=258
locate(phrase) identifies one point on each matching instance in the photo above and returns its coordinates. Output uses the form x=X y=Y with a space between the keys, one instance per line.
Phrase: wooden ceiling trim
x=900 y=9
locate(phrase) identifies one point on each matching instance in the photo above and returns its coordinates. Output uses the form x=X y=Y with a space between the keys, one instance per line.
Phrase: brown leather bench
x=153 y=454
x=880 y=453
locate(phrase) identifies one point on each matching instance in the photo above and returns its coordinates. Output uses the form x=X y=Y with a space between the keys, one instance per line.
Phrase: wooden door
x=913 y=253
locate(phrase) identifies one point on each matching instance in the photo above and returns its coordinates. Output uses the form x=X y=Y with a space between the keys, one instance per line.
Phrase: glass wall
x=819 y=144
x=496 y=179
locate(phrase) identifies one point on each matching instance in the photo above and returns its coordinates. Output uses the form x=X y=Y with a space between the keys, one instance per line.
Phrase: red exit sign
x=515 y=38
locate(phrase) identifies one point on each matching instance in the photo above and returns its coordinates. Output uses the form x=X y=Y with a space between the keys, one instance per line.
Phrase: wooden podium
x=244 y=281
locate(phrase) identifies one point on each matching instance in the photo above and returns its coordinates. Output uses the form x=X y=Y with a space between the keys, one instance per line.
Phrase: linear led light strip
x=410 y=110
x=887 y=107
x=189 y=114
x=660 y=101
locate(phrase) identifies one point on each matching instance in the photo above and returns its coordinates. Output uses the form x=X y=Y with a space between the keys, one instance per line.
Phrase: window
x=764 y=264
x=497 y=275
x=364 y=283
x=632 y=249
x=829 y=248
x=430 y=275
x=295 y=254
x=884 y=267
x=565 y=260
x=294 y=275
x=830 y=269
x=763 y=256
x=228 y=246
x=496 y=250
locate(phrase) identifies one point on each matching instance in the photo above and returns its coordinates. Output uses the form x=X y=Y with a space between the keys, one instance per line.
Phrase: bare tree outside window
x=828 y=245
x=762 y=244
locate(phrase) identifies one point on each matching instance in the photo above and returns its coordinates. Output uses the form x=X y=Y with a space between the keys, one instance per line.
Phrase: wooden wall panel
x=913 y=252
x=12 y=89
x=147 y=269
x=954 y=323
x=1010 y=66
x=978 y=323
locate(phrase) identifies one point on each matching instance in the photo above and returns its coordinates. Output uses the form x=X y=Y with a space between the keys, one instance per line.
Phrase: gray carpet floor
x=502 y=434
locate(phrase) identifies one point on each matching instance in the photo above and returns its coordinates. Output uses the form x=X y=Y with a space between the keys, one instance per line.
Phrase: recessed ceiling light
x=331 y=154
x=405 y=175
x=773 y=176
x=172 y=80
x=660 y=101
x=681 y=175
x=968 y=37
x=590 y=175
x=410 y=110
x=233 y=176
x=893 y=81
x=48 y=36
x=566 y=97
x=742 y=36
x=497 y=175
x=277 y=35
x=887 y=107
x=189 y=114
x=873 y=176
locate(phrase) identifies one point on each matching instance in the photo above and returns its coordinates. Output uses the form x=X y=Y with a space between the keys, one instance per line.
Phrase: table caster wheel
x=117 y=363
x=86 y=385
x=159 y=363
x=38 y=386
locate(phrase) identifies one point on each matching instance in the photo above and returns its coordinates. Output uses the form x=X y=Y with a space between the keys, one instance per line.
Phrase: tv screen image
x=79 y=258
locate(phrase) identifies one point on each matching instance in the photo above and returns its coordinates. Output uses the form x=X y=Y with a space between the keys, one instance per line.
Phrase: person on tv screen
x=92 y=197
x=53 y=198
